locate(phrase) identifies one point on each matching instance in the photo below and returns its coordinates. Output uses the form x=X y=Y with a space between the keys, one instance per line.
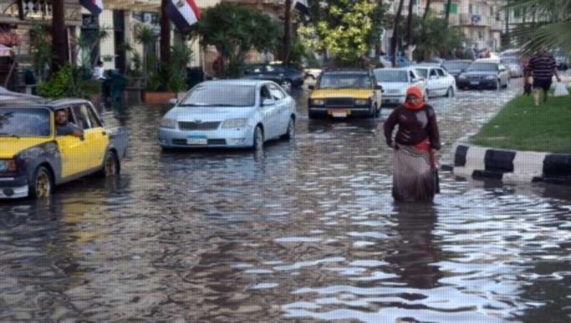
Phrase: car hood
x=10 y=147
x=394 y=87
x=478 y=73
x=209 y=113
x=341 y=93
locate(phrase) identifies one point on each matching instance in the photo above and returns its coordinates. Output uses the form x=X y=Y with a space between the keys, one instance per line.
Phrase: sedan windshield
x=423 y=72
x=220 y=95
x=455 y=66
x=23 y=122
x=483 y=67
x=345 y=81
x=391 y=76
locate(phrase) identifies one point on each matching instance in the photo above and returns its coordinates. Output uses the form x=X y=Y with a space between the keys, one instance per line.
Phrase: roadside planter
x=158 y=98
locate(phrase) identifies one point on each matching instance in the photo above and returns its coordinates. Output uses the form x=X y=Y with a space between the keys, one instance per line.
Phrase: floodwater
x=305 y=232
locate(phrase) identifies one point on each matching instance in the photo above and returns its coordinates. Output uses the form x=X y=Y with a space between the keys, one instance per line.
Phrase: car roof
x=347 y=71
x=406 y=68
x=239 y=82
x=458 y=61
x=22 y=102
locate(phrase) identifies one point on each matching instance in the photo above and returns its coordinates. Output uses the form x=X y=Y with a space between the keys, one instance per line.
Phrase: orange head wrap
x=417 y=92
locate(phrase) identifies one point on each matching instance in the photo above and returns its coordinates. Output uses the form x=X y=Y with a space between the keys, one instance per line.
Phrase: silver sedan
x=229 y=113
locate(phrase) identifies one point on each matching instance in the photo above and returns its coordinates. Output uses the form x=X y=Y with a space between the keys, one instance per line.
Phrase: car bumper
x=221 y=138
x=340 y=112
x=463 y=84
x=13 y=187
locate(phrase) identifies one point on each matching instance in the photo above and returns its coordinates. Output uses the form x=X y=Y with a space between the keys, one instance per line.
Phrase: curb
x=510 y=166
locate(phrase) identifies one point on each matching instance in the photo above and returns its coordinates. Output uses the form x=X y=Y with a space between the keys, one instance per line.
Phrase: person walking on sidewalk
x=415 y=173
x=542 y=66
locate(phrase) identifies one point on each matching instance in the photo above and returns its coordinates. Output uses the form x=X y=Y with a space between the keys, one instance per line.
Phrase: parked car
x=286 y=77
x=33 y=159
x=514 y=65
x=229 y=114
x=396 y=81
x=343 y=93
x=484 y=74
x=456 y=67
x=562 y=62
x=438 y=81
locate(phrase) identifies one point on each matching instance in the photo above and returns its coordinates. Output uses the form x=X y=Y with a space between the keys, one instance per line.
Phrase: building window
x=453 y=8
x=517 y=13
x=492 y=11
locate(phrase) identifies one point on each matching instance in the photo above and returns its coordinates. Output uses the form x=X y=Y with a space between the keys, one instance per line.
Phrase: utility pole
x=287 y=33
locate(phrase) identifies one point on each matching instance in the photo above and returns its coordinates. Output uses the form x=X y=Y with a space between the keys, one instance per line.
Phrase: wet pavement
x=305 y=232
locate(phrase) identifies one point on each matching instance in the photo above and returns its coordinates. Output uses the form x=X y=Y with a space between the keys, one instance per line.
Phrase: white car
x=439 y=82
x=396 y=81
x=229 y=114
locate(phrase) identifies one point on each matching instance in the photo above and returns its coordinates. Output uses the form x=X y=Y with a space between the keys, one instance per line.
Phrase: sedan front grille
x=339 y=102
x=192 y=125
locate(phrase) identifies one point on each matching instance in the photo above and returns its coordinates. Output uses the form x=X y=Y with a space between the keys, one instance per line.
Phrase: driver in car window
x=64 y=127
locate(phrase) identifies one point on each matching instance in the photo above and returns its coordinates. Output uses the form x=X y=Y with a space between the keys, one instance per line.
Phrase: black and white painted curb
x=510 y=165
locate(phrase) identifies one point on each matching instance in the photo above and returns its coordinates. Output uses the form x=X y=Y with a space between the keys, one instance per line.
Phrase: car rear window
x=221 y=95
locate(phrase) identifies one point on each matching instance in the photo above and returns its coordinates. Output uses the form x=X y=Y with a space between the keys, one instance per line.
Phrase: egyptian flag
x=183 y=13
x=301 y=6
x=94 y=6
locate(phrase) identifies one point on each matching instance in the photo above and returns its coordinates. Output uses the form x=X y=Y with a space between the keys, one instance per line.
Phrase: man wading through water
x=415 y=173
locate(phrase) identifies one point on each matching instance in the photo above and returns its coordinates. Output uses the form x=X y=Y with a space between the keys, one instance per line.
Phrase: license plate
x=196 y=140
x=339 y=113
x=474 y=83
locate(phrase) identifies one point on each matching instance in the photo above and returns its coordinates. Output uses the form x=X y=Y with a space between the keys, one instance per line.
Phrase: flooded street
x=307 y=232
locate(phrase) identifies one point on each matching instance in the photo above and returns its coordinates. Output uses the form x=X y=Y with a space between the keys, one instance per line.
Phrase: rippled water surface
x=306 y=232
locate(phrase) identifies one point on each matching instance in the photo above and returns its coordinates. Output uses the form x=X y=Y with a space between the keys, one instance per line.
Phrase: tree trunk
x=59 y=36
x=426 y=10
x=395 y=34
x=165 y=43
x=447 y=17
x=508 y=36
x=409 y=25
x=287 y=33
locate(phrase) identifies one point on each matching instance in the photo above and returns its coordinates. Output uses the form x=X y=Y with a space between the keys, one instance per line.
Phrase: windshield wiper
x=5 y=134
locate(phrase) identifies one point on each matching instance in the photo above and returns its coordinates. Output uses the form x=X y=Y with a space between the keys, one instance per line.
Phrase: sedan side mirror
x=268 y=102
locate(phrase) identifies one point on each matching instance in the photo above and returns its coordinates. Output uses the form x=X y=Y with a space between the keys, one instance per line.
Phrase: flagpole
x=287 y=33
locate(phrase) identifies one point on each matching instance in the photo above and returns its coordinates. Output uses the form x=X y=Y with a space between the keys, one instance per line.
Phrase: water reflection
x=417 y=249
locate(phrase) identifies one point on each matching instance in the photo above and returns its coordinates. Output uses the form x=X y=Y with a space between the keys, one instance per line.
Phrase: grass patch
x=520 y=125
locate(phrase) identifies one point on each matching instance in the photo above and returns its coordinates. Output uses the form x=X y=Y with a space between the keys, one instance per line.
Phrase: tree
x=165 y=39
x=432 y=37
x=344 y=29
x=395 y=34
x=448 y=7
x=426 y=10
x=409 y=24
x=145 y=36
x=550 y=26
x=59 y=36
x=234 y=31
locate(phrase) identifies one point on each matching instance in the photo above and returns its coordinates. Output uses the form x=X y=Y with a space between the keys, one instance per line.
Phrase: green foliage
x=146 y=36
x=58 y=85
x=41 y=51
x=234 y=30
x=547 y=24
x=433 y=37
x=345 y=28
x=181 y=55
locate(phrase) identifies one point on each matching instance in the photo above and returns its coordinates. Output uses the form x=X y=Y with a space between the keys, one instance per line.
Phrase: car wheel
x=290 y=133
x=42 y=183
x=286 y=85
x=111 y=166
x=258 y=139
x=450 y=92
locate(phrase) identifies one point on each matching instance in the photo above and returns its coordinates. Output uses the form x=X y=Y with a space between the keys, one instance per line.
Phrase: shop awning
x=134 y=5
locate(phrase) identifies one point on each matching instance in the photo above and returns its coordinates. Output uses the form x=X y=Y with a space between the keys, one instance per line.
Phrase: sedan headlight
x=168 y=123
x=490 y=77
x=362 y=102
x=235 y=123
x=8 y=165
x=317 y=102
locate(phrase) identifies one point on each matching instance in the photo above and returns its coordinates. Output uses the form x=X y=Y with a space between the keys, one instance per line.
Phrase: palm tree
x=553 y=30
x=165 y=45
x=145 y=36
x=59 y=36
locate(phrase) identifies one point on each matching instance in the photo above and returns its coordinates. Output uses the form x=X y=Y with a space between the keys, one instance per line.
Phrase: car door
x=72 y=150
x=96 y=138
x=433 y=84
x=416 y=80
x=269 y=113
x=283 y=107
x=504 y=74
x=445 y=81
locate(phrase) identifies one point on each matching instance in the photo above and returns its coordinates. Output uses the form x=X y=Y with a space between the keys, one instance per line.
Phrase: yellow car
x=343 y=93
x=34 y=158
